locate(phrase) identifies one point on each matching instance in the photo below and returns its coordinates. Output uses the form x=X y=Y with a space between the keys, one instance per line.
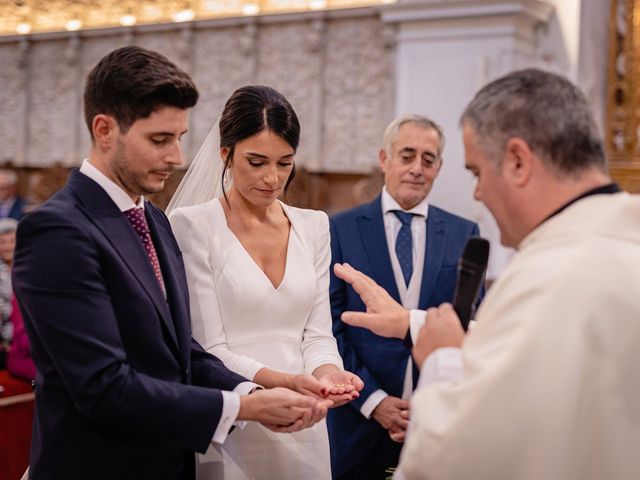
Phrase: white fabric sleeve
x=193 y=237
x=230 y=410
x=417 y=319
x=319 y=347
x=524 y=362
x=372 y=402
x=444 y=364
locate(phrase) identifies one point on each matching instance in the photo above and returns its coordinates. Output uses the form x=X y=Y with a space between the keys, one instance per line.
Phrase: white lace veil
x=202 y=182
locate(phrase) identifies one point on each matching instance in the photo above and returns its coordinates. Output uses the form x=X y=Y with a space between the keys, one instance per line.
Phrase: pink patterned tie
x=139 y=223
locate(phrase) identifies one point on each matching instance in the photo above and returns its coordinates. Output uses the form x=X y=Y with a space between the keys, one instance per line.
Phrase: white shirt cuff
x=245 y=388
x=372 y=402
x=417 y=319
x=444 y=364
x=230 y=410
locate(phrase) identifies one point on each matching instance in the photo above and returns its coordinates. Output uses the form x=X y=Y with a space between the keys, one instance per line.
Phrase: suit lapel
x=371 y=227
x=434 y=253
x=176 y=288
x=120 y=234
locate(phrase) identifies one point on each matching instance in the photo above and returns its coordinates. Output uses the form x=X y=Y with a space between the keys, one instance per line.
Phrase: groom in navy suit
x=411 y=249
x=122 y=389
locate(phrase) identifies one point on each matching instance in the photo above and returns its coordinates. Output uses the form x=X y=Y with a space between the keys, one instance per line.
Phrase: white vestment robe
x=551 y=388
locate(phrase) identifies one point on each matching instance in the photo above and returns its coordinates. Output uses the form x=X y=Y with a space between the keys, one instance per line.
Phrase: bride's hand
x=341 y=386
x=308 y=385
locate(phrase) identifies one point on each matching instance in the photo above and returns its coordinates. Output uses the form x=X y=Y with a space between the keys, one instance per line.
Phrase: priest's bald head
x=532 y=143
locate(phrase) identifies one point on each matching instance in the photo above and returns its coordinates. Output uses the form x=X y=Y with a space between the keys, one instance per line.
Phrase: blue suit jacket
x=17 y=209
x=115 y=394
x=358 y=238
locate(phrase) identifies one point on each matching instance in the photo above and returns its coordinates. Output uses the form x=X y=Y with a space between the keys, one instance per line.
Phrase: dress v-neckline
x=252 y=260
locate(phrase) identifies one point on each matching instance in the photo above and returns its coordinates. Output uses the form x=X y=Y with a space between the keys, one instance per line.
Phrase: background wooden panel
x=623 y=94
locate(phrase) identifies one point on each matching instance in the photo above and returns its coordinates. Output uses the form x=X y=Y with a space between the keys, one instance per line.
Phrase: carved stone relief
x=286 y=64
x=174 y=44
x=336 y=72
x=52 y=92
x=11 y=120
x=623 y=96
x=356 y=76
x=93 y=49
x=220 y=65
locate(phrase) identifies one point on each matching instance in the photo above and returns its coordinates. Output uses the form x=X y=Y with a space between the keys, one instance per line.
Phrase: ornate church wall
x=346 y=72
x=336 y=68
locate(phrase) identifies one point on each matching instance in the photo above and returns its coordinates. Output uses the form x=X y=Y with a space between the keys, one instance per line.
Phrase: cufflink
x=407 y=341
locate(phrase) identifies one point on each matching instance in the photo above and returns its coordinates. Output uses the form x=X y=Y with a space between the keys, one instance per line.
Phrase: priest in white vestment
x=545 y=386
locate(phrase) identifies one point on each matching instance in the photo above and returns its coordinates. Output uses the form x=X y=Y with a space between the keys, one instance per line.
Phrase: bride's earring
x=227 y=179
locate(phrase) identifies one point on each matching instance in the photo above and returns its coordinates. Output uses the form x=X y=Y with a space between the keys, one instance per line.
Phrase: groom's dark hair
x=252 y=109
x=132 y=82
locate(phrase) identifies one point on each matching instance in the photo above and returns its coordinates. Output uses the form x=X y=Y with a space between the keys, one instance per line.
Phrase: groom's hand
x=282 y=410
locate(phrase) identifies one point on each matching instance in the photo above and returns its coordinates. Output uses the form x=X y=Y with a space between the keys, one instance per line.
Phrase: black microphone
x=471 y=269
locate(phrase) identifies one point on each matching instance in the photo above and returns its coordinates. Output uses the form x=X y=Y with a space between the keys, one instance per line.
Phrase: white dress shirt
x=409 y=294
x=230 y=400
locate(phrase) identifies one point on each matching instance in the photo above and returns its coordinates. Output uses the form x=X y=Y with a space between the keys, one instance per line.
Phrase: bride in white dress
x=258 y=274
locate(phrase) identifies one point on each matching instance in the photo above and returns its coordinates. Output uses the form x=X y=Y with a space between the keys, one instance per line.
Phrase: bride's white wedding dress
x=239 y=316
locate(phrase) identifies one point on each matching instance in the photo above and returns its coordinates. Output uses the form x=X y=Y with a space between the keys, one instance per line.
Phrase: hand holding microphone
x=442 y=329
x=445 y=325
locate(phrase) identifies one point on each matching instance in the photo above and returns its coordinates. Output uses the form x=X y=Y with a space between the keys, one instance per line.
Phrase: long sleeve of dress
x=319 y=345
x=198 y=245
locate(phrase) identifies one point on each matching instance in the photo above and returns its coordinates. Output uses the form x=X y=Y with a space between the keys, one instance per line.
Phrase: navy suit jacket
x=117 y=368
x=358 y=238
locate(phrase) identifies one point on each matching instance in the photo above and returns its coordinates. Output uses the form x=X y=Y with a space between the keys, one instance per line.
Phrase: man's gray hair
x=8 y=225
x=391 y=132
x=545 y=110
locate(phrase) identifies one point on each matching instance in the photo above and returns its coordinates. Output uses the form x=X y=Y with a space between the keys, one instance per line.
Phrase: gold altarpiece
x=623 y=94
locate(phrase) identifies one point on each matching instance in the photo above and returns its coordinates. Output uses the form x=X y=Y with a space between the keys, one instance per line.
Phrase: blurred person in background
x=8 y=228
x=19 y=361
x=11 y=205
